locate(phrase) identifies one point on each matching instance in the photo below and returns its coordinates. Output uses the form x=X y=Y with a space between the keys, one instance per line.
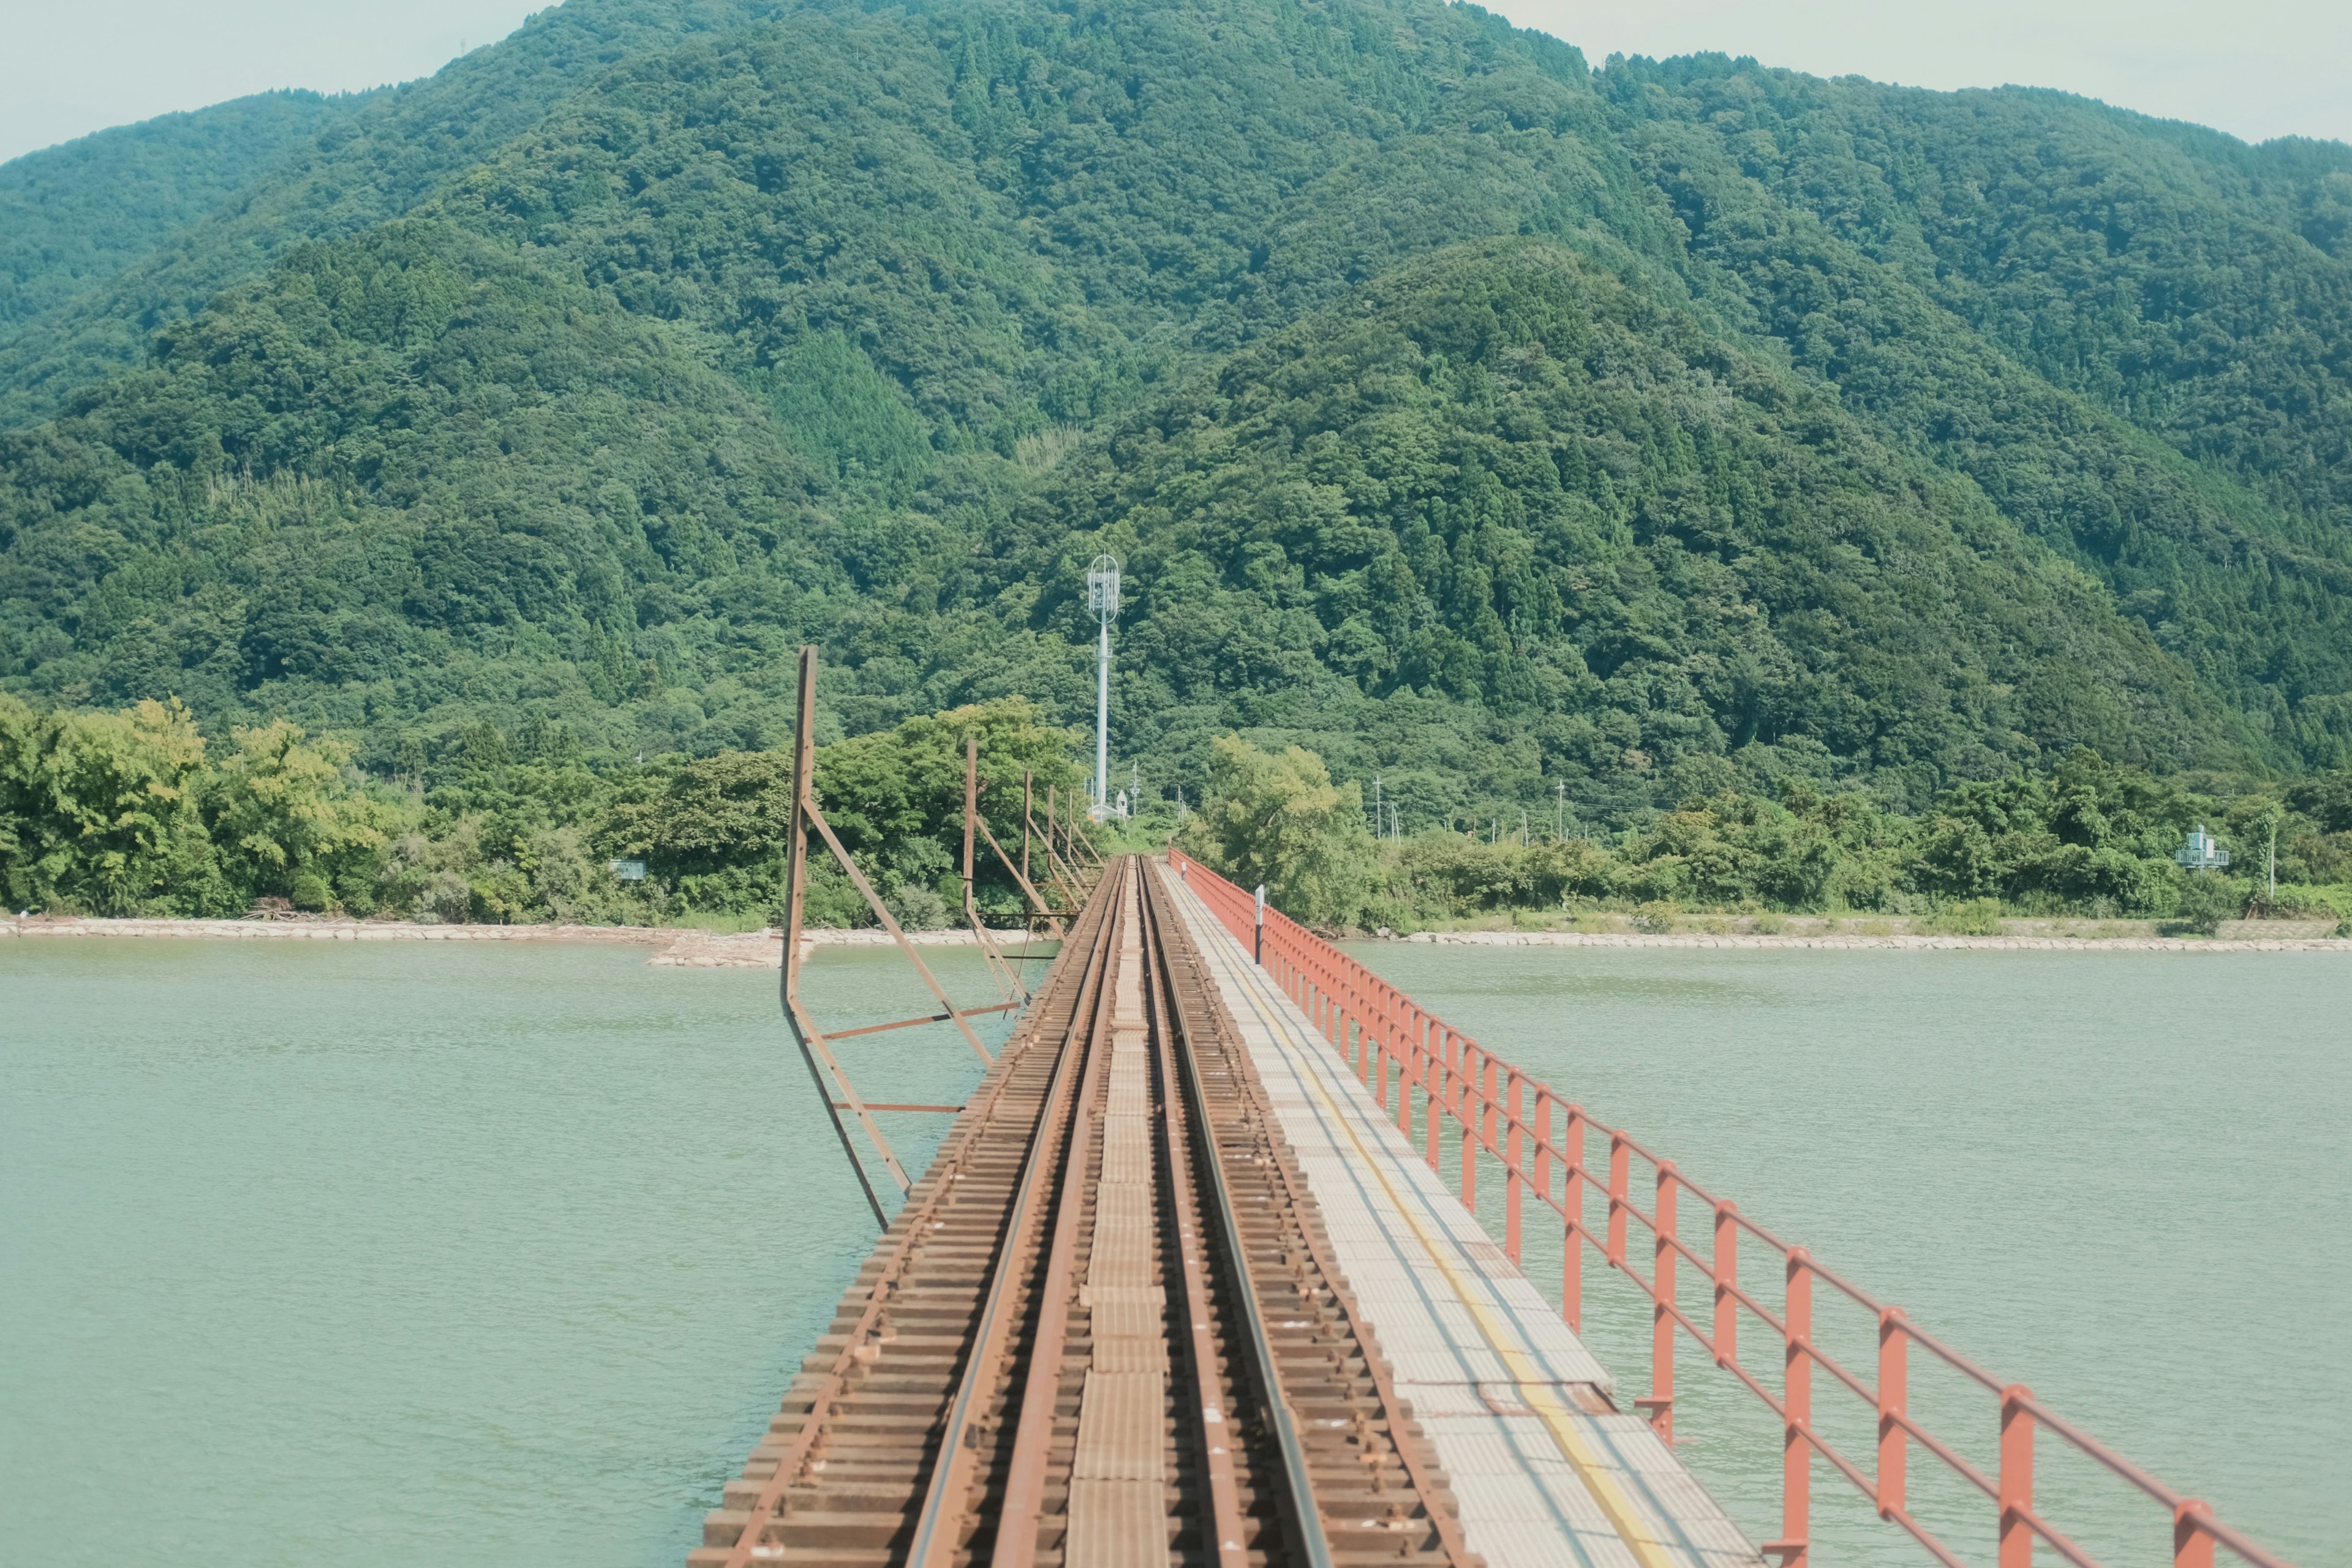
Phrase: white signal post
x=1102 y=599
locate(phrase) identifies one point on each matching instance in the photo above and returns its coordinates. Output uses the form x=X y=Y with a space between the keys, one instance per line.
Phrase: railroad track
x=1106 y=1329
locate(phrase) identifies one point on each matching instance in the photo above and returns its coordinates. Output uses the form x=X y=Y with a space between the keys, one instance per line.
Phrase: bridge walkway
x=1544 y=1468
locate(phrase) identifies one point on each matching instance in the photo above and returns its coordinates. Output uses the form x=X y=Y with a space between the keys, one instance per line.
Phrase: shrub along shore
x=140 y=812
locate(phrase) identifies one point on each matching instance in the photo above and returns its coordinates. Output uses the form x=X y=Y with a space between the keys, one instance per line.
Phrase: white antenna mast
x=1102 y=599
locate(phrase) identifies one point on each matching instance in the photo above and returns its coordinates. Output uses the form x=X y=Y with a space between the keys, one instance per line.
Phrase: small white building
x=2199 y=853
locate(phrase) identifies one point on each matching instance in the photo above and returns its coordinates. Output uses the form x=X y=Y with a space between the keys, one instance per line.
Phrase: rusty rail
x=936 y=1423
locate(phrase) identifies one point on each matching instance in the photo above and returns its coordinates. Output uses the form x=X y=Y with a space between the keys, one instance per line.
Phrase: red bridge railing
x=1389 y=1040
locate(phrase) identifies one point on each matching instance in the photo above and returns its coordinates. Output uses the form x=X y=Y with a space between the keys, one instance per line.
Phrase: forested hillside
x=1518 y=432
x=73 y=215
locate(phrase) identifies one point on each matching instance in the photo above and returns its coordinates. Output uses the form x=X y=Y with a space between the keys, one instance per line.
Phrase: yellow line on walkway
x=1622 y=1516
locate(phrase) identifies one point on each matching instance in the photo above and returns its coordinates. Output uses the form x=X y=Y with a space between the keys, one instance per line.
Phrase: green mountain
x=1494 y=425
x=73 y=215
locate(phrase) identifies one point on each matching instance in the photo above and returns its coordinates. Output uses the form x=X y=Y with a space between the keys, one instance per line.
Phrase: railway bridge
x=1184 y=1285
x=1187 y=1282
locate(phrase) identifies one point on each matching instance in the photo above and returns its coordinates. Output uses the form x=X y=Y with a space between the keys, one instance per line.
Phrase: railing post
x=1408 y=1066
x=1513 y=1151
x=1621 y=1175
x=1893 y=1397
x=1543 y=1143
x=1726 y=1276
x=1473 y=1074
x=1797 y=1400
x=1363 y=1037
x=1258 y=948
x=2191 y=1547
x=1432 y=1108
x=1491 y=1105
x=1571 y=1270
x=1661 y=1403
x=2016 y=1481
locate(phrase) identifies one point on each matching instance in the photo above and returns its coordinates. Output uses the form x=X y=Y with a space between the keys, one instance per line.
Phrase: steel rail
x=1033 y=1443
x=1442 y=1519
x=914 y=1226
x=1297 y=1486
x=1175 y=1127
x=948 y=1496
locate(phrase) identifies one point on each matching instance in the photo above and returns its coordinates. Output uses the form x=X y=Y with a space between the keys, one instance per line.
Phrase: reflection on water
x=2119 y=1177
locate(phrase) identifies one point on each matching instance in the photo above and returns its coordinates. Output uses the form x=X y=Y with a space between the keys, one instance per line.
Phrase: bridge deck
x=1544 y=1468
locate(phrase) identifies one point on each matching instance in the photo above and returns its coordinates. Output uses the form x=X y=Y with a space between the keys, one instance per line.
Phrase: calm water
x=2124 y=1179
x=411 y=1254
x=406 y=1254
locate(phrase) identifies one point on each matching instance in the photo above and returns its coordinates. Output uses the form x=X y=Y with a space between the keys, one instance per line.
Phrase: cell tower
x=1102 y=599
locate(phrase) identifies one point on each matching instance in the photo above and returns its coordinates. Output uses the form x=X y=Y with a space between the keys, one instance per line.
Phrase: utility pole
x=1560 y=812
x=1102 y=599
x=1379 y=821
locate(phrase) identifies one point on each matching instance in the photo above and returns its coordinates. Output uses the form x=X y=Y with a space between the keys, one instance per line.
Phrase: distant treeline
x=2091 y=838
x=134 y=812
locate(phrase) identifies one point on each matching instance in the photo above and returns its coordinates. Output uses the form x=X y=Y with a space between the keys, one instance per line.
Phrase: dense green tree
x=73 y=215
x=1276 y=820
x=1539 y=441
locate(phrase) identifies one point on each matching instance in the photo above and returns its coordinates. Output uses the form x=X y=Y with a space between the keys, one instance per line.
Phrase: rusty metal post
x=2191 y=1547
x=1474 y=1073
x=1514 y=1151
x=1008 y=979
x=1433 y=1110
x=1726 y=1278
x=1661 y=1403
x=2016 y=1481
x=1408 y=1028
x=1621 y=1177
x=1543 y=1144
x=1494 y=1104
x=1571 y=1268
x=1795 y=1546
x=796 y=841
x=795 y=898
x=1893 y=1397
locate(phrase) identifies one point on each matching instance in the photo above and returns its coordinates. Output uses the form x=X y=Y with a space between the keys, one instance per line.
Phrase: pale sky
x=2256 y=68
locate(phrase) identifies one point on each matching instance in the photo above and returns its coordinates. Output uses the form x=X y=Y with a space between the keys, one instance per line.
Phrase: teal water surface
x=411 y=1254
x=414 y=1253
x=2121 y=1178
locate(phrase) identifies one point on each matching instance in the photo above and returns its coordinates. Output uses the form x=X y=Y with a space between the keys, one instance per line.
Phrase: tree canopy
x=1530 y=437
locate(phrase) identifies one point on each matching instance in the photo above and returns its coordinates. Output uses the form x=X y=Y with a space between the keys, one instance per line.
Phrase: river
x=2121 y=1178
x=409 y=1254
